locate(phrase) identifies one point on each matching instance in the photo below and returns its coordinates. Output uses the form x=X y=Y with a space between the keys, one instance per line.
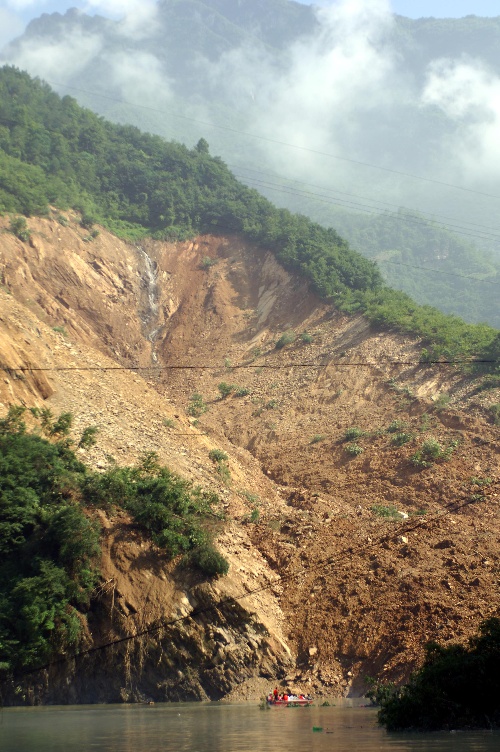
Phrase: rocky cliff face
x=357 y=555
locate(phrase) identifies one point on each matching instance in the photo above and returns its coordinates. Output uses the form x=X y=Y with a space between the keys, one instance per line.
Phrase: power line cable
x=365 y=208
x=431 y=215
x=245 y=366
x=438 y=271
x=344 y=202
x=257 y=136
x=376 y=261
x=363 y=547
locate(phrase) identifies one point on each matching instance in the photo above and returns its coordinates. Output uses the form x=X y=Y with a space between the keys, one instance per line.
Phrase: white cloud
x=24 y=4
x=56 y=60
x=469 y=94
x=11 y=26
x=139 y=77
x=316 y=98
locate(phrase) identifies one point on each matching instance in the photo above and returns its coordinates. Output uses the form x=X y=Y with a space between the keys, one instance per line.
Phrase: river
x=218 y=727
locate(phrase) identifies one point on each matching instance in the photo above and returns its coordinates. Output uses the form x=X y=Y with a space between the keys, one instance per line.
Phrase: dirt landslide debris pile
x=360 y=486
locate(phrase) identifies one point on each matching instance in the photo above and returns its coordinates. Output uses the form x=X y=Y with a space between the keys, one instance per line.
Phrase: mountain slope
x=362 y=587
x=222 y=70
x=138 y=184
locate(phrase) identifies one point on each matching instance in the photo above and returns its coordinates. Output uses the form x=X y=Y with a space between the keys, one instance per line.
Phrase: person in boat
x=275 y=693
x=285 y=697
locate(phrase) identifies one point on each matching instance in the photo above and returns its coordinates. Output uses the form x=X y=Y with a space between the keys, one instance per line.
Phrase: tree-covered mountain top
x=55 y=152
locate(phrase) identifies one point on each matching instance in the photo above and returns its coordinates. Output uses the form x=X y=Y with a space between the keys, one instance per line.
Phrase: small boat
x=292 y=701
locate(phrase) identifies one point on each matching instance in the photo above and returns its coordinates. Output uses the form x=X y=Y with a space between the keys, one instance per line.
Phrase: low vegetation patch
x=396 y=426
x=317 y=438
x=353 y=433
x=430 y=452
x=197 y=405
x=354 y=450
x=399 y=439
x=387 y=512
x=19 y=227
x=286 y=339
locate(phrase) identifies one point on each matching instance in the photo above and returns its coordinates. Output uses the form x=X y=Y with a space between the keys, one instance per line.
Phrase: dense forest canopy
x=53 y=152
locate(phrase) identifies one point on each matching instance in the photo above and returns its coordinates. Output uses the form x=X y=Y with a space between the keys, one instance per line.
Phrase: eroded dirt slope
x=360 y=591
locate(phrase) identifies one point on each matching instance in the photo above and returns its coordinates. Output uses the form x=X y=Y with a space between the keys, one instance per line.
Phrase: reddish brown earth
x=354 y=593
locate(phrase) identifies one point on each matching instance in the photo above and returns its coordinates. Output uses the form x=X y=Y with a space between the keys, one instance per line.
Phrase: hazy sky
x=14 y=14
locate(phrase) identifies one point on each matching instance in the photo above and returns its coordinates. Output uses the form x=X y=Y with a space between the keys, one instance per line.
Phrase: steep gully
x=360 y=593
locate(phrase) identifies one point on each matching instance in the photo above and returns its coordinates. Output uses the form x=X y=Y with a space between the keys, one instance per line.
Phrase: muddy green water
x=217 y=728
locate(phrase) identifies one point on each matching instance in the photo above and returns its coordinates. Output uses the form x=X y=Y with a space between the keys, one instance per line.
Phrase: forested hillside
x=428 y=261
x=224 y=71
x=55 y=152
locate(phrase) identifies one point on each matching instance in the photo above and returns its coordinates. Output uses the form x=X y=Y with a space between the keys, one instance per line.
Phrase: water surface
x=215 y=727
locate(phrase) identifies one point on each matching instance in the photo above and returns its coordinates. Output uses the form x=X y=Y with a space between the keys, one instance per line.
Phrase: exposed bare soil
x=355 y=593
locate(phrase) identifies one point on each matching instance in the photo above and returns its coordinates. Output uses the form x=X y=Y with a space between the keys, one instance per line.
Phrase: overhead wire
x=257 y=366
x=344 y=203
x=402 y=529
x=260 y=137
x=365 y=208
x=405 y=527
x=431 y=216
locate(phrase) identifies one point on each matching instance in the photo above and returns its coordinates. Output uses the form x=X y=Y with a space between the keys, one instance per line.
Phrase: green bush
x=442 y=402
x=286 y=339
x=249 y=496
x=48 y=546
x=317 y=438
x=388 y=512
x=401 y=438
x=431 y=451
x=396 y=426
x=217 y=455
x=225 y=389
x=87 y=221
x=177 y=514
x=207 y=262
x=196 y=405
x=306 y=338
x=352 y=433
x=353 y=449
x=271 y=404
x=242 y=391
x=19 y=228
x=208 y=560
x=224 y=472
x=457 y=687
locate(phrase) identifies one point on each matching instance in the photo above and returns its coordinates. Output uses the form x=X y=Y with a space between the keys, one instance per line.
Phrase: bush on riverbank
x=457 y=687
